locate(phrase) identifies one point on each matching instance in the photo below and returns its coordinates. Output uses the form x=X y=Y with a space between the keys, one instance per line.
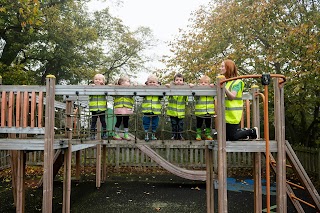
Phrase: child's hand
x=212 y=85
x=167 y=85
x=191 y=85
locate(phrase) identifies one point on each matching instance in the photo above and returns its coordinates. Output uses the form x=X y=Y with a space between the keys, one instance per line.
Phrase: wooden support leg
x=78 y=164
x=20 y=182
x=104 y=163
x=257 y=183
x=209 y=180
x=14 y=165
x=98 y=166
x=67 y=179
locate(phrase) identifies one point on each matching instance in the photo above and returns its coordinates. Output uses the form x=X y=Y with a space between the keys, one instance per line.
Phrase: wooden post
x=67 y=161
x=104 y=163
x=67 y=178
x=280 y=138
x=209 y=179
x=257 y=155
x=78 y=164
x=222 y=155
x=48 y=145
x=20 y=181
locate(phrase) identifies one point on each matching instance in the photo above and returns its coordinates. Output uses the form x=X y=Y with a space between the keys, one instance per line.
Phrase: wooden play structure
x=28 y=120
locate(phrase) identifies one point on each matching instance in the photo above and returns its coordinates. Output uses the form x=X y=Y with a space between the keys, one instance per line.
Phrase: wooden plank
x=25 y=110
x=33 y=109
x=18 y=102
x=10 y=109
x=40 y=109
x=22 y=130
x=247 y=146
x=3 y=108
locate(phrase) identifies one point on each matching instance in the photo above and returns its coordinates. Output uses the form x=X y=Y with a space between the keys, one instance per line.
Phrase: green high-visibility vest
x=151 y=104
x=97 y=103
x=234 y=108
x=204 y=105
x=123 y=101
x=177 y=106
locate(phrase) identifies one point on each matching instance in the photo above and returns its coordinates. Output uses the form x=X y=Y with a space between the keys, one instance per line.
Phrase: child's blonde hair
x=205 y=78
x=122 y=79
x=152 y=77
x=100 y=76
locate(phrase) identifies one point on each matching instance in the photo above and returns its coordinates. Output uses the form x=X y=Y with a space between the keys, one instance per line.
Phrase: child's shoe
x=126 y=136
x=117 y=137
x=174 y=137
x=255 y=133
x=207 y=134
x=104 y=136
x=93 y=137
x=198 y=136
x=153 y=137
x=146 y=137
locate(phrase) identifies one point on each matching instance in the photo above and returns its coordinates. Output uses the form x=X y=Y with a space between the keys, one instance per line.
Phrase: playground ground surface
x=139 y=192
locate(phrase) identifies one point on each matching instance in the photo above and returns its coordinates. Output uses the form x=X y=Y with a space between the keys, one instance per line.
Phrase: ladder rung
x=296 y=185
x=302 y=201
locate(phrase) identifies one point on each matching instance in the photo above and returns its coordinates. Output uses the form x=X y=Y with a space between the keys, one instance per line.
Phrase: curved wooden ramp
x=184 y=173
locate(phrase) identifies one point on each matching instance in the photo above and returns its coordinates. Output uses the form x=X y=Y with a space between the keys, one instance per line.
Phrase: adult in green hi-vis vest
x=234 y=104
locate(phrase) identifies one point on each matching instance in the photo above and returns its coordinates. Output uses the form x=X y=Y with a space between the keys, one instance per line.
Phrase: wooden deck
x=77 y=144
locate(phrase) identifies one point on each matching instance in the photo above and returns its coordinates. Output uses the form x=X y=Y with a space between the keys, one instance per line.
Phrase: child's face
x=98 y=80
x=125 y=82
x=204 y=82
x=178 y=81
x=152 y=82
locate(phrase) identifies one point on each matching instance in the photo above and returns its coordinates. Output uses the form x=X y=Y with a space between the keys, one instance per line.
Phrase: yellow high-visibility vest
x=234 y=108
x=204 y=105
x=97 y=103
x=123 y=101
x=151 y=104
x=177 y=106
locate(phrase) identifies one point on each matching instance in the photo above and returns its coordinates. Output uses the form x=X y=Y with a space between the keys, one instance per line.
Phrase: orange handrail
x=254 y=76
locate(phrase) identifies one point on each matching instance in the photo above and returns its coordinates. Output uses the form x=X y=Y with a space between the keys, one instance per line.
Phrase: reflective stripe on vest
x=123 y=101
x=97 y=103
x=151 y=104
x=177 y=106
x=234 y=108
x=204 y=105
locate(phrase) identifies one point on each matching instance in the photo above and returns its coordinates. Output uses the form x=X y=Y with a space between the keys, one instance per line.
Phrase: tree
x=70 y=43
x=262 y=37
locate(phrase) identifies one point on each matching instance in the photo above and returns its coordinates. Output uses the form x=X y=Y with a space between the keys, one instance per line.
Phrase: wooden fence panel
x=185 y=157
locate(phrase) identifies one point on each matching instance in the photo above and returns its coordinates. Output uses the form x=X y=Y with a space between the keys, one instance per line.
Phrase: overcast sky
x=164 y=17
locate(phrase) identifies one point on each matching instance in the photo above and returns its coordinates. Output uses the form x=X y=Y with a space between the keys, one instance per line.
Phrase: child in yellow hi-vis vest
x=98 y=107
x=123 y=107
x=204 y=110
x=176 y=109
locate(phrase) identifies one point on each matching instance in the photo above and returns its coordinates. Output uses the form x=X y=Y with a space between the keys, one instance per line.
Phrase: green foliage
x=63 y=39
x=12 y=74
x=261 y=37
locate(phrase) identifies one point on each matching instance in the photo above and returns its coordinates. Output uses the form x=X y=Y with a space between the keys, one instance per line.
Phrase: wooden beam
x=48 y=146
x=281 y=155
